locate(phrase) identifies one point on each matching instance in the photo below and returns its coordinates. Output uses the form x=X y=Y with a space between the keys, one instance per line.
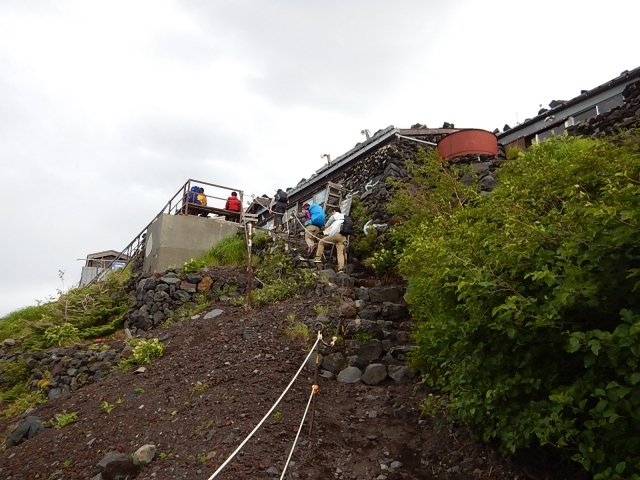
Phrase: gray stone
x=362 y=294
x=481 y=169
x=216 y=312
x=194 y=278
x=399 y=374
x=158 y=318
x=162 y=287
x=8 y=342
x=374 y=374
x=334 y=362
x=356 y=361
x=161 y=297
x=488 y=183
x=170 y=280
x=273 y=472
x=26 y=429
x=370 y=351
x=385 y=294
x=350 y=375
x=146 y=284
x=144 y=455
x=181 y=295
x=370 y=312
x=394 y=311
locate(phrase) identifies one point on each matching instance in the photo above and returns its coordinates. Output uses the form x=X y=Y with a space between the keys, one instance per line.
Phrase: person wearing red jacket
x=234 y=204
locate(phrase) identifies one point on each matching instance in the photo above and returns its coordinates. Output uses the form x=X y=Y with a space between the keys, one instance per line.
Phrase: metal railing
x=177 y=205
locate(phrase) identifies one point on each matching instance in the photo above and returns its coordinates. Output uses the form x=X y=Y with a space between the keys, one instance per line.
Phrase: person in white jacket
x=333 y=235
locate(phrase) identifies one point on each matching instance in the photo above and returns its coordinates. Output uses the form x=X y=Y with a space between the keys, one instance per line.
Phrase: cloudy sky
x=108 y=107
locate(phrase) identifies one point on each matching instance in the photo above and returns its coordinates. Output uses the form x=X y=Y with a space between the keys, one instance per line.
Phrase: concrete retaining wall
x=173 y=240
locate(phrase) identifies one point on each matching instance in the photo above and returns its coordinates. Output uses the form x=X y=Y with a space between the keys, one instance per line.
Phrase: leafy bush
x=527 y=300
x=145 y=351
x=17 y=324
x=13 y=372
x=80 y=313
x=19 y=399
x=296 y=331
x=384 y=260
x=64 y=418
x=285 y=281
x=59 y=335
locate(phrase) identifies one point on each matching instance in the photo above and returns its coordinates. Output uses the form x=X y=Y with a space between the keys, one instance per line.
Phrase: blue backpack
x=317 y=215
x=192 y=196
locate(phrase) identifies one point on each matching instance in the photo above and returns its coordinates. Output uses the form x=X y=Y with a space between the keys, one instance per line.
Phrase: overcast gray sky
x=108 y=107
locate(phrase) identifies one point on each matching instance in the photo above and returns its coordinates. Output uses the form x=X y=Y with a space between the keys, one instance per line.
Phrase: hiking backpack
x=347 y=226
x=281 y=197
x=192 y=196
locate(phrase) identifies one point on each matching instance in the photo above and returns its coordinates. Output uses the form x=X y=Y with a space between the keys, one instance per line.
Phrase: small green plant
x=18 y=400
x=137 y=391
x=107 y=407
x=261 y=239
x=199 y=388
x=321 y=309
x=295 y=330
x=189 y=309
x=67 y=463
x=362 y=337
x=513 y=153
x=14 y=372
x=144 y=352
x=59 y=335
x=384 y=260
x=65 y=418
x=164 y=455
x=277 y=415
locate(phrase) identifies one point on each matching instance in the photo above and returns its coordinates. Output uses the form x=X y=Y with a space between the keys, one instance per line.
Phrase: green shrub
x=18 y=324
x=13 y=372
x=261 y=239
x=384 y=260
x=284 y=281
x=296 y=331
x=144 y=352
x=527 y=301
x=64 y=418
x=59 y=335
x=79 y=313
x=19 y=399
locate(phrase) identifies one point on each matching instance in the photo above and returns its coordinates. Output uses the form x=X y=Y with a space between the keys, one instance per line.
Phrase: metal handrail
x=176 y=205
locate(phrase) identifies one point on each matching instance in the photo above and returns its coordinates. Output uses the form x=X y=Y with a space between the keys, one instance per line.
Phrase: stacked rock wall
x=626 y=116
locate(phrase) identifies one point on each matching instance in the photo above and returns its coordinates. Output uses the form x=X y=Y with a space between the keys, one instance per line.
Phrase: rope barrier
x=235 y=452
x=314 y=390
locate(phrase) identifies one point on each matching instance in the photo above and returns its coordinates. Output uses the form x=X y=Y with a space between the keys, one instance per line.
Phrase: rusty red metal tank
x=470 y=141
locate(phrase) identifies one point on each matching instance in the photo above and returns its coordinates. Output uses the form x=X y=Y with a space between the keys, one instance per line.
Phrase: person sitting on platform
x=233 y=204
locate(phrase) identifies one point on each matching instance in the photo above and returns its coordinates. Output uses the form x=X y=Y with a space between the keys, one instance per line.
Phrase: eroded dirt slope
x=215 y=382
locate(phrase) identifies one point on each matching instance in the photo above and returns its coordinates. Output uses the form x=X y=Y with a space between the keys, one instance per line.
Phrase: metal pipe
x=416 y=140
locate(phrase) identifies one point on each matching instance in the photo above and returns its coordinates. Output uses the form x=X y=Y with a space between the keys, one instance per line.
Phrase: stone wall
x=626 y=116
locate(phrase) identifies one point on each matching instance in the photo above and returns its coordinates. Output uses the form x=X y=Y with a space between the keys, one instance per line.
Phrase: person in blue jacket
x=314 y=221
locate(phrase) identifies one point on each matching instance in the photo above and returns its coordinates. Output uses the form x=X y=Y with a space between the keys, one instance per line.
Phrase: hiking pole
x=250 y=266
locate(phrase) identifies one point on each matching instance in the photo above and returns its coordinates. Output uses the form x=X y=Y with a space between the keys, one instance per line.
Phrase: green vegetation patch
x=80 y=313
x=229 y=251
x=526 y=300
